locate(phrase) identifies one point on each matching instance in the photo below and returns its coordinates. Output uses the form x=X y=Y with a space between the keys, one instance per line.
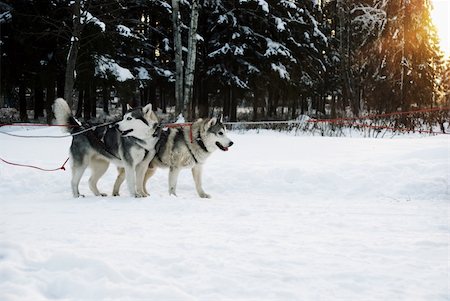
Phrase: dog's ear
x=210 y=123
x=147 y=110
x=220 y=118
x=129 y=107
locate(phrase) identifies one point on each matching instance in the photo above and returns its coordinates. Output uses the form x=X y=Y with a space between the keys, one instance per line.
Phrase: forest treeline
x=256 y=59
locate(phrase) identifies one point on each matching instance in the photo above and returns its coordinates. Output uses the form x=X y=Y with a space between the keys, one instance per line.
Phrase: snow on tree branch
x=370 y=21
x=87 y=17
x=281 y=70
x=106 y=67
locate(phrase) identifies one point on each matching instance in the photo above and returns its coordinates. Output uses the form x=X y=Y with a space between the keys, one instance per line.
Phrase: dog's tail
x=63 y=115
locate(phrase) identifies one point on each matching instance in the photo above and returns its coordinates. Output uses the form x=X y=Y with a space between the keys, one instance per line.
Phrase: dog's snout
x=231 y=143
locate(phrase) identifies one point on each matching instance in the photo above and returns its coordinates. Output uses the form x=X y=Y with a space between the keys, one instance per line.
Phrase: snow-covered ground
x=291 y=218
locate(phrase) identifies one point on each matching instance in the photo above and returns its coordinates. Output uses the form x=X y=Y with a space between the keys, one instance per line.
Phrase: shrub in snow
x=8 y=115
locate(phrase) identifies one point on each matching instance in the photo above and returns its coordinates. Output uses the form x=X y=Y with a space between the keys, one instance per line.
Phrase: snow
x=124 y=31
x=281 y=25
x=281 y=70
x=275 y=48
x=5 y=17
x=316 y=30
x=239 y=50
x=143 y=73
x=262 y=3
x=106 y=66
x=199 y=37
x=371 y=21
x=87 y=17
x=222 y=19
x=223 y=50
x=288 y=3
x=251 y=69
x=291 y=218
x=163 y=72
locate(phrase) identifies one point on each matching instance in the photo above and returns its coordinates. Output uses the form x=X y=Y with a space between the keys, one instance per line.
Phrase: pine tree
x=407 y=55
x=265 y=46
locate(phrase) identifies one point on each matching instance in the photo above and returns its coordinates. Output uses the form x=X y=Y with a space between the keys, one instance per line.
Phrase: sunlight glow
x=441 y=19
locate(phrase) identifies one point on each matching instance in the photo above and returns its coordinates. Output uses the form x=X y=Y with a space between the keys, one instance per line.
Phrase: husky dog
x=176 y=151
x=129 y=143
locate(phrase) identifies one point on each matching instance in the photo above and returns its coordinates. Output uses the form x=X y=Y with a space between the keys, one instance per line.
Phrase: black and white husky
x=129 y=143
x=186 y=147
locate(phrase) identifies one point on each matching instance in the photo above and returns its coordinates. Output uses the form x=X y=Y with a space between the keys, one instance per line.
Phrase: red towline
x=62 y=167
x=36 y=167
x=349 y=121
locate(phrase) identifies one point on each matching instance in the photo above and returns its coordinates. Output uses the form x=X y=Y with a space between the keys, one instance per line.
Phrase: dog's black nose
x=231 y=143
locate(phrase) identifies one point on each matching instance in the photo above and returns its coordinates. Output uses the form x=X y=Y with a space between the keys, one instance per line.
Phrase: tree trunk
x=226 y=101
x=333 y=106
x=38 y=99
x=22 y=100
x=50 y=98
x=163 y=96
x=105 y=100
x=191 y=58
x=80 y=102
x=176 y=20
x=151 y=96
x=255 y=105
x=60 y=84
x=73 y=53
x=87 y=103
x=403 y=59
x=93 y=100
x=304 y=105
x=294 y=107
x=344 y=51
x=203 y=104
x=233 y=104
x=270 y=102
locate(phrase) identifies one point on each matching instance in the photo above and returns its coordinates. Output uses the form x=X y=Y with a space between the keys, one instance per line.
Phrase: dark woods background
x=255 y=60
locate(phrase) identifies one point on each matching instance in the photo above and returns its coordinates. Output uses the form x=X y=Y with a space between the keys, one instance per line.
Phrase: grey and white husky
x=176 y=151
x=129 y=143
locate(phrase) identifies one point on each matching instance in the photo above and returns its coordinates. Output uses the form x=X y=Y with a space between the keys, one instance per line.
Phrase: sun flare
x=441 y=19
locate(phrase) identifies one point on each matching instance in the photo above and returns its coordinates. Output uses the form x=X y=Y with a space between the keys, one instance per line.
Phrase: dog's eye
x=129 y=118
x=221 y=133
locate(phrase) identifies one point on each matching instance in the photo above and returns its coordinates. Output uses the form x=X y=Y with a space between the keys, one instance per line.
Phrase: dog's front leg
x=140 y=173
x=119 y=180
x=173 y=178
x=197 y=175
x=77 y=172
x=148 y=174
x=130 y=173
x=99 y=168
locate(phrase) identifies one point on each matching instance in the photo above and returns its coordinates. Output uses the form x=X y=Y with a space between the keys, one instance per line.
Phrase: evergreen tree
x=407 y=57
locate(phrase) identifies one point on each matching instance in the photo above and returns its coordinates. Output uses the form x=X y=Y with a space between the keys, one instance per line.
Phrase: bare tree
x=191 y=58
x=176 y=19
x=73 y=53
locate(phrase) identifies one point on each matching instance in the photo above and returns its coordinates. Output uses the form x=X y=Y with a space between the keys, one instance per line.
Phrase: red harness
x=180 y=125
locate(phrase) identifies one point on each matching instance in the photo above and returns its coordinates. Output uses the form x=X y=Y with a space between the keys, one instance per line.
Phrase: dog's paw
x=143 y=194
x=204 y=195
x=172 y=192
x=79 y=196
x=115 y=194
